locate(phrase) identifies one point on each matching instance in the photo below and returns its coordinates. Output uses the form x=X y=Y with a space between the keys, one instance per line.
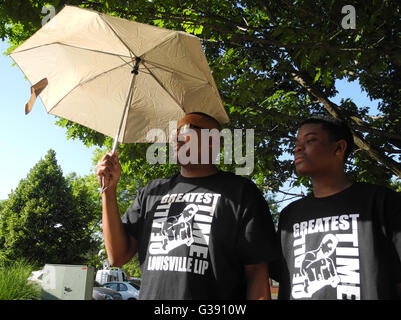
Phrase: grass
x=14 y=284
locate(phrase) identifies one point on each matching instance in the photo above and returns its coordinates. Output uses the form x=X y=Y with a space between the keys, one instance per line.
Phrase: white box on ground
x=67 y=282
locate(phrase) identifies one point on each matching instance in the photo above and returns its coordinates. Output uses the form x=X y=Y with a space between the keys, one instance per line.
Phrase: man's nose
x=298 y=147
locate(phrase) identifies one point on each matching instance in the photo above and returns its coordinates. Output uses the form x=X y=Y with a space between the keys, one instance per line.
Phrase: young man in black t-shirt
x=344 y=240
x=201 y=234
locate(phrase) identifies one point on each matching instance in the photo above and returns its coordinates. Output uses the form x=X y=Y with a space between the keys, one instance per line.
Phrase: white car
x=127 y=291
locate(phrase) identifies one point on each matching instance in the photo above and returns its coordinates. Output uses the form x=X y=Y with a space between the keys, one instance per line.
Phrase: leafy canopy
x=274 y=62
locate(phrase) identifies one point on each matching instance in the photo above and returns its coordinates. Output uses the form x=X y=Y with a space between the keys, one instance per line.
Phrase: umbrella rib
x=173 y=35
x=82 y=83
x=161 y=84
x=94 y=50
x=69 y=45
x=174 y=71
x=116 y=34
x=107 y=71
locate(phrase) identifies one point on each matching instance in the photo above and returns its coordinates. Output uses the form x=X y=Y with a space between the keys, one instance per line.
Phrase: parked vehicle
x=135 y=282
x=107 y=275
x=102 y=293
x=127 y=291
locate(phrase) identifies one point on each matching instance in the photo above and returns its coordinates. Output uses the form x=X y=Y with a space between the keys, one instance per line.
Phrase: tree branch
x=259 y=108
x=367 y=128
x=225 y=26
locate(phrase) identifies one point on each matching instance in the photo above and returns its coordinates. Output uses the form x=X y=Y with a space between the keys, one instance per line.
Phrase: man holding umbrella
x=200 y=234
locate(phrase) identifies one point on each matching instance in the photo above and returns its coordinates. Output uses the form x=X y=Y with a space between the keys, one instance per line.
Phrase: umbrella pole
x=127 y=104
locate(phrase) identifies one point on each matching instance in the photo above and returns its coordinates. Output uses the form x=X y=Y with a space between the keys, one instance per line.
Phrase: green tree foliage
x=274 y=62
x=132 y=268
x=85 y=191
x=45 y=220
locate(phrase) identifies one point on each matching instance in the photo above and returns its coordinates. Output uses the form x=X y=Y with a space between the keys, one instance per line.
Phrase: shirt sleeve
x=257 y=238
x=133 y=217
x=393 y=230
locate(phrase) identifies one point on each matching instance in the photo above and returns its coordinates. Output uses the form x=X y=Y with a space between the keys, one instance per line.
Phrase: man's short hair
x=218 y=125
x=336 y=129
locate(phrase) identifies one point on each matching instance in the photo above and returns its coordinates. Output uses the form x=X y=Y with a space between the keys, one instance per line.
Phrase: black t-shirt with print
x=196 y=234
x=345 y=246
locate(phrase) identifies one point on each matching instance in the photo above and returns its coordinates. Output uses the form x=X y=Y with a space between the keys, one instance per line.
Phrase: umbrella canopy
x=88 y=60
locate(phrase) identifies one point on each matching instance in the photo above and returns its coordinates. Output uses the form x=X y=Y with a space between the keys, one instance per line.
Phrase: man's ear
x=341 y=147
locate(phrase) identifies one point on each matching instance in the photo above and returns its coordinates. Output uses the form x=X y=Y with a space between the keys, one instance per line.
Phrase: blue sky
x=25 y=139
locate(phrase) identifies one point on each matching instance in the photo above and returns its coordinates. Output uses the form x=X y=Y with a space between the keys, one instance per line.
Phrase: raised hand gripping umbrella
x=119 y=77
